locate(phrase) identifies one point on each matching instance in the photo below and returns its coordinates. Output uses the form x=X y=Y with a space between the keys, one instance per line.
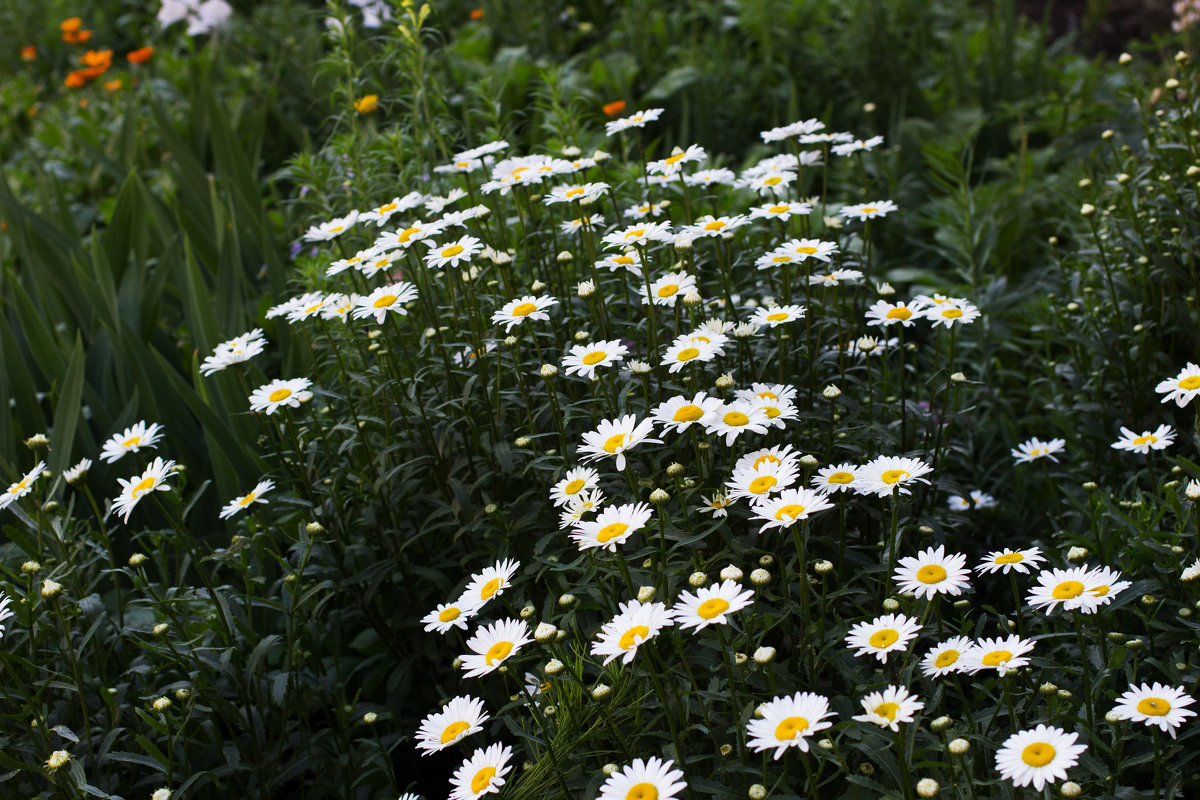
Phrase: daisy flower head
x=866 y=211
x=588 y=192
x=1164 y=706
x=636 y=120
x=799 y=128
x=342 y=264
x=646 y=209
x=458 y=719
x=1183 y=387
x=1162 y=438
x=834 y=277
x=131 y=440
x=933 y=572
x=577 y=479
x=781 y=456
x=775 y=316
x=5 y=613
x=883 y=635
x=482 y=773
x=778 y=410
x=947 y=657
x=760 y=479
x=491 y=582
x=613 y=437
x=782 y=209
x=835 y=478
x=998 y=654
x=493 y=644
x=673 y=164
x=1104 y=583
x=889 y=708
x=1022 y=561
x=235 y=351
x=884 y=475
x=584 y=359
x=955 y=312
x=884 y=313
x=571 y=226
x=708 y=225
x=270 y=397
x=1191 y=572
x=768 y=184
x=450 y=615
x=382 y=213
x=309 y=304
x=679 y=413
x=22 y=487
x=452 y=254
x=652 y=779
x=643 y=233
x=1035 y=448
x=711 y=177
x=514 y=312
x=324 y=231
x=255 y=495
x=788 y=722
x=1039 y=756
x=407 y=237
x=789 y=506
x=75 y=474
x=804 y=249
x=669 y=288
x=856 y=145
x=710 y=605
x=718 y=505
x=153 y=479
x=634 y=624
x=612 y=526
x=385 y=299
x=1068 y=587
x=684 y=351
x=975 y=500
x=629 y=260
x=733 y=419
x=580 y=505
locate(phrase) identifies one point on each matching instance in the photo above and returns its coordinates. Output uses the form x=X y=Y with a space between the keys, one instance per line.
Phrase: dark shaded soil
x=1108 y=33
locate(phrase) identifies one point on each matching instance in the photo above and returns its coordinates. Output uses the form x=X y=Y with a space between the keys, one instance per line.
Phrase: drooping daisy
x=493 y=644
x=975 y=500
x=933 y=572
x=788 y=722
x=255 y=495
x=1164 y=706
x=679 y=413
x=131 y=440
x=235 y=351
x=789 y=507
x=636 y=120
x=885 y=314
x=458 y=719
x=777 y=315
x=271 y=396
x=889 y=708
x=883 y=635
x=514 y=312
x=710 y=605
x=584 y=359
x=865 y=211
x=491 y=582
x=955 y=312
x=577 y=479
x=385 y=299
x=998 y=654
x=1022 y=561
x=613 y=437
x=1183 y=387
x=482 y=773
x=154 y=478
x=1162 y=438
x=733 y=419
x=1104 y=583
x=450 y=615
x=612 y=527
x=681 y=353
x=947 y=657
x=1039 y=756
x=718 y=505
x=22 y=487
x=1035 y=448
x=835 y=478
x=634 y=624
x=885 y=475
x=1066 y=586
x=652 y=779
x=324 y=231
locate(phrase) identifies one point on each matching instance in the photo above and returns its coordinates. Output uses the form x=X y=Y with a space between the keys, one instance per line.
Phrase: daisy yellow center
x=782 y=259
x=996 y=658
x=627 y=638
x=688 y=413
x=778 y=316
x=448 y=614
x=574 y=192
x=594 y=357
x=899 y=313
x=884 y=638
x=1038 y=451
x=688 y=353
x=1153 y=706
x=19 y=486
x=777 y=209
x=144 y=485
x=247 y=500
x=675 y=159
x=524 y=309
x=945 y=658
x=715 y=225
x=1067 y=589
x=497 y=652
x=766 y=396
x=636 y=233
x=611 y=531
x=931 y=573
x=383 y=209
x=336 y=229
x=1190 y=382
x=490 y=588
x=868 y=209
x=623 y=260
x=767 y=459
x=894 y=476
x=314 y=307
x=1010 y=558
x=453 y=730
x=789 y=728
x=704 y=339
x=771 y=411
x=1100 y=591
x=773 y=180
x=841 y=478
x=574 y=486
x=482 y=779
x=808 y=251
x=668 y=290
x=452 y=251
x=462 y=163
x=279 y=395
x=712 y=608
x=385 y=300
x=519 y=170
x=407 y=234
x=132 y=441
x=736 y=419
x=1038 y=754
x=762 y=484
x=615 y=442
x=791 y=511
x=642 y=791
x=952 y=313
x=888 y=711
x=1147 y=439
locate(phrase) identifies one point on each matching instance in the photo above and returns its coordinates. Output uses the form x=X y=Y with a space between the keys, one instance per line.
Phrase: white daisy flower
x=324 y=231
x=629 y=260
x=708 y=225
x=450 y=615
x=613 y=437
x=889 y=708
x=584 y=359
x=955 y=312
x=407 y=237
x=782 y=210
x=153 y=479
x=636 y=120
x=491 y=582
x=1035 y=448
x=789 y=507
x=72 y=475
x=681 y=353
x=835 y=478
x=453 y=254
x=272 y=396
x=643 y=233
x=733 y=419
x=1162 y=438
x=493 y=644
x=1164 y=706
x=577 y=479
x=575 y=193
x=255 y=495
x=882 y=635
x=804 y=249
x=575 y=225
x=458 y=719
x=711 y=177
x=580 y=505
x=634 y=624
x=865 y=211
x=775 y=316
x=788 y=722
x=669 y=288
x=762 y=479
x=1104 y=584
x=679 y=413
x=1068 y=587
x=1039 y=756
x=885 y=475
x=975 y=500
x=710 y=605
x=856 y=145
x=933 y=572
x=22 y=487
x=385 y=299
x=998 y=654
x=1022 y=561
x=514 y=312
x=236 y=350
x=483 y=773
x=5 y=613
x=672 y=164
x=947 y=657
x=131 y=440
x=834 y=277
x=884 y=313
x=652 y=779
x=1183 y=387
x=779 y=456
x=718 y=505
x=612 y=526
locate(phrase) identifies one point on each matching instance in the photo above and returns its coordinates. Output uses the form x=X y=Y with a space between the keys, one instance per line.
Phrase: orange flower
x=476 y=13
x=28 y=53
x=76 y=37
x=140 y=56
x=92 y=72
x=367 y=103
x=71 y=25
x=75 y=80
x=614 y=108
x=114 y=85
x=97 y=58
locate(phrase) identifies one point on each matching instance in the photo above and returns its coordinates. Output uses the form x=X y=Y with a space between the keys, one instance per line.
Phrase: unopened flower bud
x=161 y=794
x=646 y=594
x=757 y=792
x=586 y=288
x=958 y=377
x=1171 y=84
x=545 y=632
x=697 y=579
x=891 y=604
x=553 y=667
x=1193 y=171
x=823 y=567
x=161 y=629
x=38 y=442
x=137 y=559
x=639 y=367
x=609 y=769
x=31 y=567
x=1063 y=694
x=885 y=289
x=724 y=381
x=161 y=704
x=958 y=746
x=766 y=560
x=725 y=750
x=1077 y=554
x=567 y=600
x=659 y=496
x=182 y=694
x=1124 y=59
x=760 y=577
x=522 y=441
x=731 y=573
x=601 y=691
x=57 y=760
x=692 y=297
x=1087 y=209
x=831 y=392
x=940 y=724
x=565 y=257
x=527 y=611
x=1071 y=789
x=764 y=655
x=927 y=787
x=51 y=588
x=370 y=717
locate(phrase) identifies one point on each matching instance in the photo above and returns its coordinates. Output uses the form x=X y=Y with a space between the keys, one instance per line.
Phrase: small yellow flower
x=367 y=103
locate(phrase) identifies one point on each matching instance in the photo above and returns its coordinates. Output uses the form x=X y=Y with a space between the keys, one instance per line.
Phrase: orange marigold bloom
x=114 y=85
x=366 y=104
x=614 y=108
x=71 y=25
x=74 y=80
x=97 y=58
x=476 y=13
x=76 y=37
x=28 y=52
x=140 y=56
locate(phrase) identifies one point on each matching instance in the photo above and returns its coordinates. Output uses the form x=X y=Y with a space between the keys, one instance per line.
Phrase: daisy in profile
x=72 y=475
x=642 y=233
x=777 y=315
x=459 y=718
x=255 y=495
x=576 y=480
x=933 y=572
x=131 y=440
x=270 y=397
x=883 y=635
x=1039 y=756
x=493 y=644
x=834 y=277
x=1162 y=438
x=679 y=413
x=1068 y=587
x=584 y=359
x=324 y=231
x=835 y=478
x=779 y=456
x=1191 y=572
x=669 y=288
x=884 y=313
x=482 y=773
x=1164 y=706
x=804 y=249
x=652 y=779
x=579 y=506
x=634 y=624
x=711 y=605
x=888 y=475
x=235 y=351
x=711 y=177
x=788 y=507
x=385 y=299
x=575 y=193
x=629 y=261
x=22 y=487
x=782 y=210
x=788 y=722
x=733 y=419
x=853 y=145
x=309 y=304
x=613 y=437
x=575 y=225
x=492 y=582
x=889 y=708
x=998 y=654
x=708 y=225
x=153 y=479
x=1183 y=387
x=947 y=657
x=637 y=120
x=1035 y=448
x=612 y=526
x=407 y=237
x=453 y=254
x=866 y=211
x=1104 y=584
x=975 y=500
x=514 y=312
x=450 y=615
x=1022 y=561
x=718 y=505
x=949 y=314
